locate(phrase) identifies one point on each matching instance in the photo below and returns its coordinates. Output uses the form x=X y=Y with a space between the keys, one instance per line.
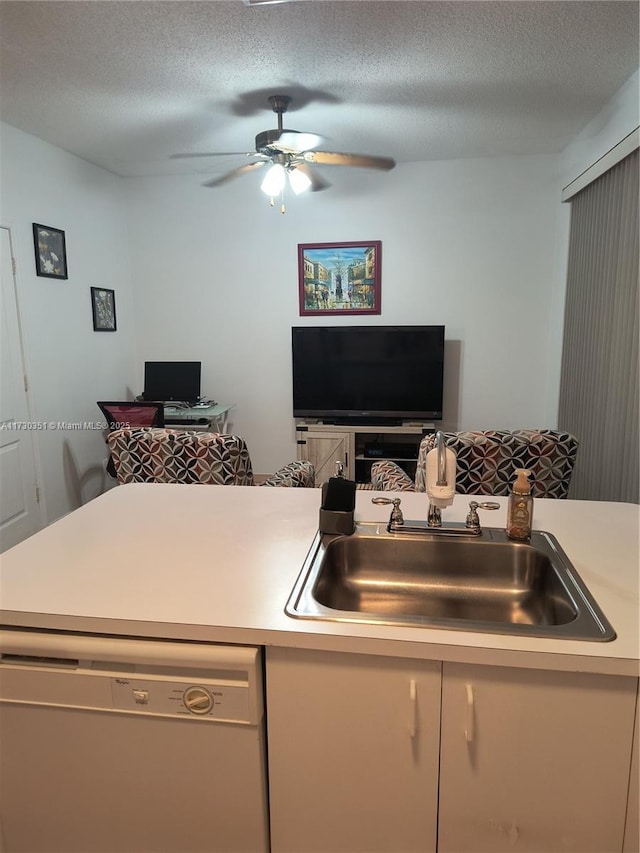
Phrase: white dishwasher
x=115 y=745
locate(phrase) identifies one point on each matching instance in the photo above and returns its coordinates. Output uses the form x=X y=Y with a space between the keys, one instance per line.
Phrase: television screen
x=177 y=381
x=368 y=374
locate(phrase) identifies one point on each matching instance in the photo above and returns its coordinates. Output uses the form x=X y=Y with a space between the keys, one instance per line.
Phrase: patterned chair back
x=486 y=461
x=151 y=455
x=172 y=456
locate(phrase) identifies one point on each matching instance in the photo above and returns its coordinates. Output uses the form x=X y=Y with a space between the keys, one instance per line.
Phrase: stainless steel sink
x=485 y=583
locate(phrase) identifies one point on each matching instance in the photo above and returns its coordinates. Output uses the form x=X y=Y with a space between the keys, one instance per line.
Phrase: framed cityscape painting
x=339 y=278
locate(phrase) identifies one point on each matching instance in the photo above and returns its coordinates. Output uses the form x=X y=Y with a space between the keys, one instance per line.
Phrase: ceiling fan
x=289 y=153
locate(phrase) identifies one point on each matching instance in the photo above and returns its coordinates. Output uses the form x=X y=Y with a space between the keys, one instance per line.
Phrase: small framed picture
x=51 y=253
x=339 y=278
x=103 y=306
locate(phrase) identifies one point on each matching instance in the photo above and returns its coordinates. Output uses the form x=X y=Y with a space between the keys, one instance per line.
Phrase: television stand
x=358 y=446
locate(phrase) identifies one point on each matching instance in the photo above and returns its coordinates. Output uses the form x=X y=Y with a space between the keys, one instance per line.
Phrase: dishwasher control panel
x=213 y=700
x=197 y=681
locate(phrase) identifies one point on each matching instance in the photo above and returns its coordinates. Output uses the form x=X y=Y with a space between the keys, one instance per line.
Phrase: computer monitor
x=177 y=381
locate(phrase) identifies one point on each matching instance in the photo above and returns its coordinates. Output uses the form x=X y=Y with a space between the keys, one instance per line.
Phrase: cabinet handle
x=470 y=731
x=413 y=708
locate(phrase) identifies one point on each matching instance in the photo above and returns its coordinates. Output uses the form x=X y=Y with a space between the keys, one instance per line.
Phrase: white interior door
x=19 y=511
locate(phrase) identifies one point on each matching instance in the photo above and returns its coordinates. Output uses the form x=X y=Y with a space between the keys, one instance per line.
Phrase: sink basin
x=485 y=583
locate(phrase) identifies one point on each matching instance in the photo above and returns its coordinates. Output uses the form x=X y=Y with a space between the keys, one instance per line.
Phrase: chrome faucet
x=434 y=516
x=441 y=450
x=471 y=526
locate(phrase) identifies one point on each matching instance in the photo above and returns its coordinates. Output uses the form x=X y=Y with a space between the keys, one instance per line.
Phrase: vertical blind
x=599 y=380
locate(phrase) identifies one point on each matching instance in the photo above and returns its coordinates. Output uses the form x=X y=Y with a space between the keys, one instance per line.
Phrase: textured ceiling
x=125 y=84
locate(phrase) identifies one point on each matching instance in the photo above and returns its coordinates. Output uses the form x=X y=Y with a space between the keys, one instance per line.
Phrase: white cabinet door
x=353 y=752
x=533 y=761
x=323 y=449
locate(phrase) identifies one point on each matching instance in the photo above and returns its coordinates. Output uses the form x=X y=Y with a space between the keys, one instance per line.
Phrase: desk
x=198 y=418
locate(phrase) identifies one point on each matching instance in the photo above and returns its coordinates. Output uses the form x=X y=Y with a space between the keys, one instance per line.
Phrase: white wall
x=617 y=119
x=472 y=244
x=69 y=365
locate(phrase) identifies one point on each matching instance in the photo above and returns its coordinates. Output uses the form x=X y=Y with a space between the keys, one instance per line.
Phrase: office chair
x=486 y=462
x=121 y=415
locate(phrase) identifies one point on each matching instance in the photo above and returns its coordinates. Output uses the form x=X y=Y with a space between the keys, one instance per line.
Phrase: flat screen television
x=368 y=374
x=177 y=381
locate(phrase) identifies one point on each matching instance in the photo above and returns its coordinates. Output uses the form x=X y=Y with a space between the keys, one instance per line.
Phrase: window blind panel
x=599 y=398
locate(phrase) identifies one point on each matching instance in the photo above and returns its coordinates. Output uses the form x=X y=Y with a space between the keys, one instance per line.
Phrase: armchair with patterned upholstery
x=486 y=462
x=153 y=455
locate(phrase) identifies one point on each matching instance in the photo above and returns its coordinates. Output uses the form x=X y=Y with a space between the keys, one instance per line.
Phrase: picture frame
x=50 y=251
x=339 y=278
x=103 y=307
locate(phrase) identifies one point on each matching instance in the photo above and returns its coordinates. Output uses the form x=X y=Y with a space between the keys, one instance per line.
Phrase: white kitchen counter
x=218 y=563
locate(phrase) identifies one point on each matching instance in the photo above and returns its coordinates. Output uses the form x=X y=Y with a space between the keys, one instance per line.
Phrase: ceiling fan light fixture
x=296 y=140
x=263 y=2
x=274 y=180
x=299 y=181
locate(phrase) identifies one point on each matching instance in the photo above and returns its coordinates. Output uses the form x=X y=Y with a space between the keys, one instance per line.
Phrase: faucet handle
x=473 y=519
x=397 y=518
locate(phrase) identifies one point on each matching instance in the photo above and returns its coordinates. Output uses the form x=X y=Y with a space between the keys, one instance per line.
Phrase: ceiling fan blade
x=334 y=158
x=234 y=173
x=213 y=154
x=318 y=183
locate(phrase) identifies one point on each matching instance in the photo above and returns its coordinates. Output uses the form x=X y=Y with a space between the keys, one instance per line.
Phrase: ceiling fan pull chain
x=282 y=207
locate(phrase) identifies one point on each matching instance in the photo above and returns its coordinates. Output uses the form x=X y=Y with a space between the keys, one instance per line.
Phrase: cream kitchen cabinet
x=533 y=761
x=632 y=831
x=529 y=760
x=353 y=752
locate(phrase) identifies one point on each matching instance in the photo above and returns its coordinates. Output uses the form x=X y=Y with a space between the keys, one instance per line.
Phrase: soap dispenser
x=520 y=509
